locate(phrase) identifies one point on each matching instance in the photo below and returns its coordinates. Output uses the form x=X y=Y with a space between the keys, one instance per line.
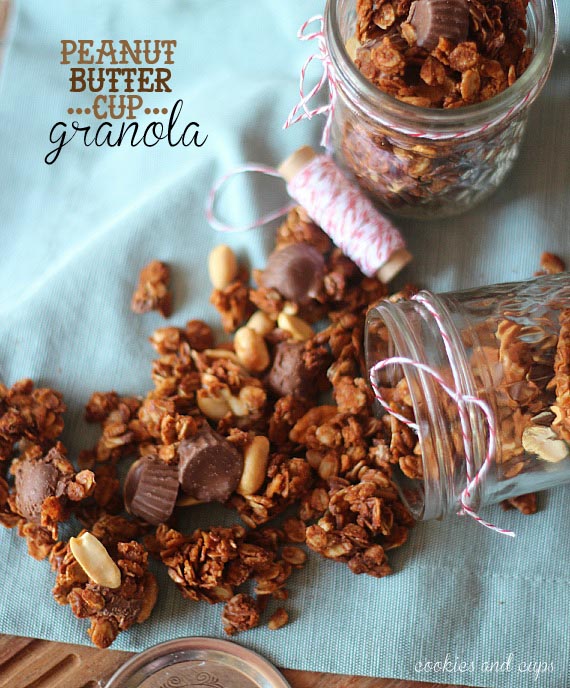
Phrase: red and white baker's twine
x=346 y=214
x=327 y=76
x=474 y=478
x=335 y=204
x=220 y=226
x=434 y=136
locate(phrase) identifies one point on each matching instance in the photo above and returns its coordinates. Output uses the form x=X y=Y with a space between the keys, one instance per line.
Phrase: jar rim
x=436 y=493
x=429 y=493
x=385 y=108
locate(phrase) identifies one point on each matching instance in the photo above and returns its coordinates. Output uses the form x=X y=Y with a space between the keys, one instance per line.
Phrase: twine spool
x=334 y=203
x=345 y=213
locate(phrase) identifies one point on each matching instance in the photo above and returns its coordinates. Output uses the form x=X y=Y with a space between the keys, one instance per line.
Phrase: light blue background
x=74 y=235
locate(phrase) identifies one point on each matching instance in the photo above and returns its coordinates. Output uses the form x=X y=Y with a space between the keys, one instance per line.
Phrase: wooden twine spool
x=345 y=213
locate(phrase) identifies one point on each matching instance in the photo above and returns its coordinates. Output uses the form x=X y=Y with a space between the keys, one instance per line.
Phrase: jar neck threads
x=424 y=347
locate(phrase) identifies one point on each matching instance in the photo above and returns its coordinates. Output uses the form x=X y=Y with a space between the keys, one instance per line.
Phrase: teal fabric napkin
x=74 y=235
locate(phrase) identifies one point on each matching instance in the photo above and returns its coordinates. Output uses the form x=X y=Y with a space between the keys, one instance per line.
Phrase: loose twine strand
x=327 y=77
x=220 y=226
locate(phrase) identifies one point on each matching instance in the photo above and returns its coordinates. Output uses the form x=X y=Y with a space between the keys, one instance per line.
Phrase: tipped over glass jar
x=506 y=346
x=431 y=131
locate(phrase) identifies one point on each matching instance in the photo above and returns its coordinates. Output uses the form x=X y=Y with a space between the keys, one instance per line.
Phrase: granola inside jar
x=507 y=345
x=431 y=132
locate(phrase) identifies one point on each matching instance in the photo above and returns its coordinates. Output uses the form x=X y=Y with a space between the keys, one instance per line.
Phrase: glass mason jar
x=507 y=345
x=427 y=162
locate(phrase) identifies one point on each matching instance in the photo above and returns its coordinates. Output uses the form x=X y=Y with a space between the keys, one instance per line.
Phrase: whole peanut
x=261 y=323
x=297 y=327
x=255 y=460
x=251 y=350
x=222 y=266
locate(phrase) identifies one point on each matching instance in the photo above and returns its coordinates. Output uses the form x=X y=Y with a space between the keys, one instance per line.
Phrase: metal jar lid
x=197 y=663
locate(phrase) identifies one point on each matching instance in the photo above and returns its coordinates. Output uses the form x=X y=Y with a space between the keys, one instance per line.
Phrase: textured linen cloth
x=73 y=236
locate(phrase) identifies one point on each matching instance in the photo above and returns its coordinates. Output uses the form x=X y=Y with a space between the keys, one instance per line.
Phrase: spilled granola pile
x=243 y=423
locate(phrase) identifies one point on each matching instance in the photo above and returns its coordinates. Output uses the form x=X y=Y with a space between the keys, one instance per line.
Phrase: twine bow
x=327 y=76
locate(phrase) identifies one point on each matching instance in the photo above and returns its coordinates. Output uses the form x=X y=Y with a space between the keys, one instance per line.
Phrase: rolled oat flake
x=204 y=662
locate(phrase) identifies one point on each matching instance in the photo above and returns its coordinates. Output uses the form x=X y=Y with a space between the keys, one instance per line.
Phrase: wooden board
x=29 y=663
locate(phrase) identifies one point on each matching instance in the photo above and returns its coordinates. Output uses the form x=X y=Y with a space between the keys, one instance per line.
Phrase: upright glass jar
x=426 y=162
x=507 y=345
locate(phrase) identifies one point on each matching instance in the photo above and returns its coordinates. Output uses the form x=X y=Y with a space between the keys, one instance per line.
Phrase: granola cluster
x=450 y=74
x=210 y=565
x=32 y=415
x=42 y=489
x=361 y=522
x=39 y=487
x=110 y=610
x=152 y=292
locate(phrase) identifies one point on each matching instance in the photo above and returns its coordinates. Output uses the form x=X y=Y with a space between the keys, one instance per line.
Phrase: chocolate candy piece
x=151 y=489
x=289 y=374
x=210 y=467
x=296 y=271
x=435 y=19
x=35 y=480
